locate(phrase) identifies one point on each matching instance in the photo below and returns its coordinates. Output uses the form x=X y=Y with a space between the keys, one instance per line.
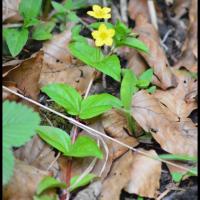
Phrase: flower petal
x=95 y=34
x=99 y=43
x=107 y=16
x=91 y=13
x=111 y=32
x=96 y=8
x=108 y=41
x=106 y=9
x=102 y=28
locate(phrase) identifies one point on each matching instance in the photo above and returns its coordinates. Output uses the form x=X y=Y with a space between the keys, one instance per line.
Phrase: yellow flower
x=103 y=36
x=100 y=13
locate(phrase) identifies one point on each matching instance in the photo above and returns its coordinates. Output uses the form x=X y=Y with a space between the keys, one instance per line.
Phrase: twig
x=12 y=25
x=152 y=13
x=123 y=10
x=93 y=131
x=163 y=194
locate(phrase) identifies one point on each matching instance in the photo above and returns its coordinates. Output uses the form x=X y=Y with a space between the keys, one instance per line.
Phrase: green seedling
x=16 y=38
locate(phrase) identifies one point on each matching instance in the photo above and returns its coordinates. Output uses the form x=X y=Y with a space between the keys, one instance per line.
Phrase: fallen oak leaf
x=175 y=135
x=118 y=178
x=145 y=175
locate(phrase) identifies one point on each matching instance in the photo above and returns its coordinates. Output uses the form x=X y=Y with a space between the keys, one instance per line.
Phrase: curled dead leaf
x=156 y=57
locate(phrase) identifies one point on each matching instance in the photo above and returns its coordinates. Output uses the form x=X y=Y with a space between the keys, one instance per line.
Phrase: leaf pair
x=123 y=37
x=50 y=182
x=92 y=56
x=16 y=38
x=19 y=124
x=84 y=146
x=67 y=97
x=130 y=85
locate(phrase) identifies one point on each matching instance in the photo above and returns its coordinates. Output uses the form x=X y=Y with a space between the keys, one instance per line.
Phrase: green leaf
x=19 y=125
x=84 y=181
x=15 y=39
x=64 y=95
x=133 y=43
x=128 y=88
x=30 y=22
x=145 y=79
x=48 y=183
x=84 y=146
x=59 y=7
x=152 y=89
x=75 y=34
x=97 y=104
x=178 y=157
x=8 y=164
x=72 y=17
x=30 y=8
x=73 y=5
x=177 y=176
x=86 y=53
x=55 y=137
x=110 y=66
x=96 y=25
x=43 y=31
x=121 y=30
x=93 y=57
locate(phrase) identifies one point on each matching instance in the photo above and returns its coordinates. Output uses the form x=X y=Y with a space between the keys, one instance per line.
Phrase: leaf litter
x=165 y=114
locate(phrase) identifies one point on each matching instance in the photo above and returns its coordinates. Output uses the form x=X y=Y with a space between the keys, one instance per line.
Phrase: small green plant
x=19 y=125
x=178 y=176
x=50 y=183
x=84 y=146
x=129 y=86
x=104 y=33
x=67 y=97
x=16 y=38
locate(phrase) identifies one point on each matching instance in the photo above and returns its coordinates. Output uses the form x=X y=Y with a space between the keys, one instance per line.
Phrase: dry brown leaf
x=90 y=193
x=38 y=154
x=175 y=135
x=117 y=178
x=26 y=76
x=144 y=175
x=115 y=124
x=136 y=62
x=56 y=51
x=24 y=182
x=76 y=76
x=180 y=100
x=136 y=7
x=156 y=57
x=189 y=56
x=8 y=95
x=10 y=10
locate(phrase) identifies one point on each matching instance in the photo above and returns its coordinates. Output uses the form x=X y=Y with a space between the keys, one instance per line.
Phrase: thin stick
x=123 y=10
x=93 y=131
x=152 y=13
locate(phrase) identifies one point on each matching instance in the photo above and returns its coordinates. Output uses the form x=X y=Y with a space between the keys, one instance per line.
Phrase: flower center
x=103 y=35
